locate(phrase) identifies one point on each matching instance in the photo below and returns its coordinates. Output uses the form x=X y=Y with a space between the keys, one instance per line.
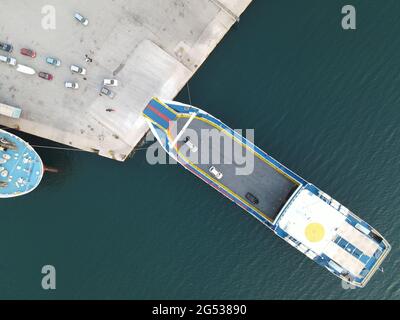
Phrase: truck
x=10 y=111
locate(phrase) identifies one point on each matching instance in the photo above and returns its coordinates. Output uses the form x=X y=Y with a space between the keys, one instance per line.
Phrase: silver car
x=215 y=172
x=81 y=19
x=71 y=85
x=78 y=69
x=107 y=92
x=110 y=82
x=53 y=61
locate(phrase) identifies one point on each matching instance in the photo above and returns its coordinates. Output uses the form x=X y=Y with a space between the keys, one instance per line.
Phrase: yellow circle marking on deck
x=314 y=232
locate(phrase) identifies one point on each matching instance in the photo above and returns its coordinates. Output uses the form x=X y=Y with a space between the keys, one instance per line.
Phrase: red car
x=28 y=52
x=46 y=76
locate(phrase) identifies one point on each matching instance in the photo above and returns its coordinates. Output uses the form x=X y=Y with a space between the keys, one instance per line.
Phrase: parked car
x=28 y=52
x=81 y=19
x=45 y=75
x=53 y=61
x=215 y=172
x=77 y=69
x=71 y=85
x=190 y=144
x=25 y=69
x=252 y=198
x=9 y=60
x=6 y=47
x=110 y=82
x=107 y=92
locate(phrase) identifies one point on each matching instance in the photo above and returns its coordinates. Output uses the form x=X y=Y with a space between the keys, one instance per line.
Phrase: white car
x=110 y=82
x=190 y=144
x=9 y=60
x=215 y=172
x=78 y=69
x=71 y=85
x=81 y=19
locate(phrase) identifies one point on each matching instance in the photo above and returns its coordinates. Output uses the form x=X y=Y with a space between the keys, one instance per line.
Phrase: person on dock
x=88 y=59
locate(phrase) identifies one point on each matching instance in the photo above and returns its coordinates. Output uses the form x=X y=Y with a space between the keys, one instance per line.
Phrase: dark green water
x=324 y=101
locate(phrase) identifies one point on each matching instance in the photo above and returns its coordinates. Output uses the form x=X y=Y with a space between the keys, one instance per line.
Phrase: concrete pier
x=152 y=47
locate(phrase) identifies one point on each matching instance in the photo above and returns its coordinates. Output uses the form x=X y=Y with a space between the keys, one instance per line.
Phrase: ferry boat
x=295 y=210
x=21 y=168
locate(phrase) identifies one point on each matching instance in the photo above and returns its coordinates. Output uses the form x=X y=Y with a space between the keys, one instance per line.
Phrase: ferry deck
x=271 y=187
x=297 y=211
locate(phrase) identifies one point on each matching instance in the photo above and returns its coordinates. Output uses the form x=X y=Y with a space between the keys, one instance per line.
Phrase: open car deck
x=218 y=148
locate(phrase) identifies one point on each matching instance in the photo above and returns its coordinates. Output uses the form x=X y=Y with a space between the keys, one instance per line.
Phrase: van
x=9 y=60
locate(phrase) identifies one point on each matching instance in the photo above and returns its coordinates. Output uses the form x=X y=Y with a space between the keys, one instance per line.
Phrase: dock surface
x=152 y=47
